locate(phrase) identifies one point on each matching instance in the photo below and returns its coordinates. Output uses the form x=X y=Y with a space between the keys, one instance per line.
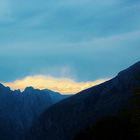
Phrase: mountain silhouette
x=55 y=96
x=68 y=118
x=19 y=110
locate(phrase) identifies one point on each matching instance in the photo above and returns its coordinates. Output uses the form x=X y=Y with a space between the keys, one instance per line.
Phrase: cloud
x=62 y=85
x=37 y=35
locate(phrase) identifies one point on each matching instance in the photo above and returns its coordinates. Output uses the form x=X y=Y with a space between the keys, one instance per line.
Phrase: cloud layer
x=62 y=85
x=91 y=38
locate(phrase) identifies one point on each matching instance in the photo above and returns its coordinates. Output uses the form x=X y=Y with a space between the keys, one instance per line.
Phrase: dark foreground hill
x=112 y=106
x=19 y=110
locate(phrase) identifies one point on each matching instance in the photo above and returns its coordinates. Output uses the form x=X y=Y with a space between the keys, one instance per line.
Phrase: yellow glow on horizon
x=62 y=85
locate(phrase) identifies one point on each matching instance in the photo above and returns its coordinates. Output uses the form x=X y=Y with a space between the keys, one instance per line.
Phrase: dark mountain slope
x=64 y=120
x=124 y=126
x=18 y=110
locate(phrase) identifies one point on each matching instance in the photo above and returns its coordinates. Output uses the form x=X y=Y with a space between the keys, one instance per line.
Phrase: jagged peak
x=17 y=91
x=4 y=87
x=27 y=89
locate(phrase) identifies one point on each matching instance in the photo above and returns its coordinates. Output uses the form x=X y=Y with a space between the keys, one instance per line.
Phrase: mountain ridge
x=77 y=112
x=18 y=110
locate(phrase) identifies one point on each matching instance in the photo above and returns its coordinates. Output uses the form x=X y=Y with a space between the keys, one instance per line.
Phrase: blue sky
x=85 y=40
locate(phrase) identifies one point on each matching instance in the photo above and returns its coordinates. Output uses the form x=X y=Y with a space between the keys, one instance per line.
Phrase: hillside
x=67 y=119
x=19 y=110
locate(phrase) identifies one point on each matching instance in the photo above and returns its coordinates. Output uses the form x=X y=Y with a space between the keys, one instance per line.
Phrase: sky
x=74 y=42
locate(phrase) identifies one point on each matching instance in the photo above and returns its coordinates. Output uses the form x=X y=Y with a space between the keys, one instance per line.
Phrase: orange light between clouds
x=62 y=85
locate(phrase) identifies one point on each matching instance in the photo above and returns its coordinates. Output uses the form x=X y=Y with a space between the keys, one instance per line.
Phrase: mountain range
x=19 y=110
x=108 y=111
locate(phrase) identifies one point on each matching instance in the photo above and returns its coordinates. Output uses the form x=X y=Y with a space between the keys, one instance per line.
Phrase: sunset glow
x=62 y=85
